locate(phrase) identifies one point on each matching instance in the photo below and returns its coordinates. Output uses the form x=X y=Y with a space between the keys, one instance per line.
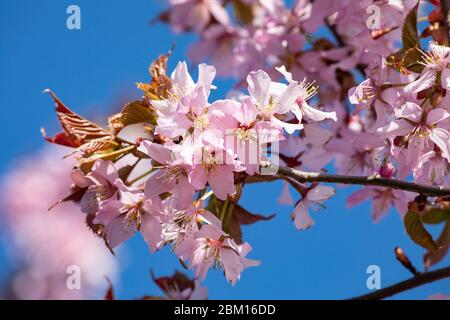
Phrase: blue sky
x=94 y=69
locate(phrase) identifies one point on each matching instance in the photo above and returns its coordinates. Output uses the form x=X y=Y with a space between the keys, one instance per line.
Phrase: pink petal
x=410 y=111
x=221 y=180
x=396 y=128
x=183 y=192
x=128 y=195
x=317 y=135
x=356 y=94
x=415 y=147
x=302 y=219
x=158 y=184
x=209 y=218
x=258 y=86
x=441 y=138
x=320 y=193
x=198 y=177
x=156 y=151
x=109 y=210
x=80 y=179
x=105 y=169
x=318 y=115
x=359 y=196
x=213 y=138
x=288 y=98
x=437 y=115
x=151 y=231
x=248 y=112
x=289 y=127
x=231 y=264
x=382 y=114
x=380 y=206
x=199 y=100
x=285 y=197
x=118 y=232
x=425 y=81
x=206 y=74
x=286 y=74
x=181 y=77
x=445 y=79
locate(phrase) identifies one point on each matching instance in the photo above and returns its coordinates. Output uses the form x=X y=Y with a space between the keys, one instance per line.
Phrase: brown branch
x=417 y=281
x=302 y=176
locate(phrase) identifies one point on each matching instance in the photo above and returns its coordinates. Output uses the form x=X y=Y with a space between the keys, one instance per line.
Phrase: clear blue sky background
x=93 y=70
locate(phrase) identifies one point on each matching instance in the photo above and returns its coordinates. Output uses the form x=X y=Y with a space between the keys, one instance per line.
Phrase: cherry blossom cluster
x=42 y=250
x=174 y=164
x=393 y=124
x=198 y=151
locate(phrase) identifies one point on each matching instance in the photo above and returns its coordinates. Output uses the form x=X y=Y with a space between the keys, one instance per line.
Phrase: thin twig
x=417 y=281
x=302 y=176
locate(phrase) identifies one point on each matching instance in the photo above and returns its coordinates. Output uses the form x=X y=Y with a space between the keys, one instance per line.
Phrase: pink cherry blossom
x=196 y=14
x=421 y=130
x=210 y=168
x=211 y=247
x=314 y=196
x=316 y=89
x=42 y=244
x=130 y=213
x=436 y=62
x=382 y=200
x=171 y=177
x=273 y=98
x=99 y=184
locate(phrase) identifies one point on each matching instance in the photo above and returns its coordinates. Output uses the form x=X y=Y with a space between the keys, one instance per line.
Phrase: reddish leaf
x=60 y=138
x=178 y=281
x=436 y=16
x=76 y=129
x=241 y=216
x=234 y=229
x=75 y=196
x=160 y=84
x=245 y=217
x=97 y=229
x=109 y=295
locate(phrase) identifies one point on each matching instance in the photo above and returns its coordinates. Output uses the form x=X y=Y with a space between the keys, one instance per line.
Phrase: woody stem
x=302 y=176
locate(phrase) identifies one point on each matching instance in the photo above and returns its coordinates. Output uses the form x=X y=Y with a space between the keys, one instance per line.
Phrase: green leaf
x=132 y=113
x=408 y=57
x=410 y=35
x=417 y=232
x=436 y=215
x=433 y=257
